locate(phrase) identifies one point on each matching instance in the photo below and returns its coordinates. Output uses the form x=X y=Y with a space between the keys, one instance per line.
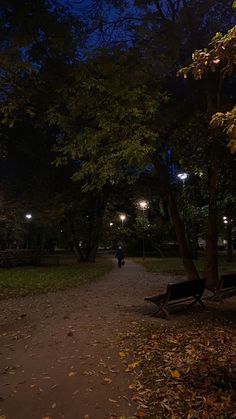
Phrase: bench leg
x=161 y=308
x=197 y=300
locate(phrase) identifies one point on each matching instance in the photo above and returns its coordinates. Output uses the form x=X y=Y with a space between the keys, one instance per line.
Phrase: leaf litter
x=183 y=371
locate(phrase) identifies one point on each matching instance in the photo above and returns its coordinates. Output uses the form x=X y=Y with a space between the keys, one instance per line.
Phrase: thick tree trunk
x=211 y=265
x=178 y=224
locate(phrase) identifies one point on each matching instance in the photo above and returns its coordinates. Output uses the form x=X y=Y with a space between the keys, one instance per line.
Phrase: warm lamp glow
x=28 y=216
x=143 y=204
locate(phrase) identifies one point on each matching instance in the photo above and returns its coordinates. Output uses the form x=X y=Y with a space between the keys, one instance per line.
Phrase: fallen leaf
x=122 y=354
x=141 y=414
x=175 y=374
x=54 y=405
x=76 y=392
x=132 y=366
x=72 y=374
x=108 y=380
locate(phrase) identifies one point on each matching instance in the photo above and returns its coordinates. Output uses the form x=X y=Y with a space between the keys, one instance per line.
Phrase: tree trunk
x=97 y=223
x=178 y=224
x=229 y=242
x=211 y=265
x=78 y=252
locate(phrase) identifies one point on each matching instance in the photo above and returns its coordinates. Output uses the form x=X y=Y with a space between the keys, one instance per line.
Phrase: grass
x=175 y=266
x=23 y=281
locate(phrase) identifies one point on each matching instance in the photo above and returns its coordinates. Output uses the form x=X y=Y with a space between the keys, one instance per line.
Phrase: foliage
x=107 y=120
x=34 y=39
x=219 y=57
x=17 y=282
x=227 y=122
x=183 y=371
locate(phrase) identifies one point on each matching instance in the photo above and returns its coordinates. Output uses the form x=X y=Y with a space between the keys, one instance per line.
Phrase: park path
x=59 y=352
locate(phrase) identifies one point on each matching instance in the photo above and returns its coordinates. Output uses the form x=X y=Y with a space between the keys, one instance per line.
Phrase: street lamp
x=122 y=218
x=183 y=176
x=28 y=216
x=143 y=206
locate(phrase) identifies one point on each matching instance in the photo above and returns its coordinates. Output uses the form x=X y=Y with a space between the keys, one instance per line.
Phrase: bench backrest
x=227 y=281
x=178 y=290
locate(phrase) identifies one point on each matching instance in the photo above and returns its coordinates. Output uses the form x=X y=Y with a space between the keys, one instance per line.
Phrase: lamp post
x=183 y=176
x=143 y=205
x=122 y=218
x=28 y=217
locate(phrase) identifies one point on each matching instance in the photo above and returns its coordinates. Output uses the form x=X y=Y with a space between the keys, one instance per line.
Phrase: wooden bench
x=226 y=286
x=179 y=292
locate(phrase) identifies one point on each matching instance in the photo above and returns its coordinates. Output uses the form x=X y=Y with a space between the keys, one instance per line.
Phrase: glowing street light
x=28 y=216
x=122 y=218
x=111 y=224
x=143 y=206
x=183 y=176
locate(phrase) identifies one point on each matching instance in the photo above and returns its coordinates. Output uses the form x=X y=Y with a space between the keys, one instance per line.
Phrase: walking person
x=120 y=256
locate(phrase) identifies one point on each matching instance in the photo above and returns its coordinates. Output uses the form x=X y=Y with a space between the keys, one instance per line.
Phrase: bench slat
x=186 y=289
x=179 y=292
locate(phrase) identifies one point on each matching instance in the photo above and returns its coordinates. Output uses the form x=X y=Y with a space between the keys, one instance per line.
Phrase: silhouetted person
x=120 y=256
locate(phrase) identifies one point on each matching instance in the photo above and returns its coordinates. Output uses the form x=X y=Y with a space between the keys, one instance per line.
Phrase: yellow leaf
x=175 y=374
x=122 y=354
x=132 y=366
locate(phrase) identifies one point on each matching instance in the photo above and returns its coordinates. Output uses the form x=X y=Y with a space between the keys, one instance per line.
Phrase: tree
x=125 y=122
x=213 y=66
x=36 y=39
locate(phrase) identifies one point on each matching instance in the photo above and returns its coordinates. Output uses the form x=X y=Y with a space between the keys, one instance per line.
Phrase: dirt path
x=58 y=356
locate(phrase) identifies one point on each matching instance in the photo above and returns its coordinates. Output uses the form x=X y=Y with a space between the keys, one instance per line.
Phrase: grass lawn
x=174 y=265
x=21 y=281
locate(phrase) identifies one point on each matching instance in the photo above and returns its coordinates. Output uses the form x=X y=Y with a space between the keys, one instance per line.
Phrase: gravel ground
x=59 y=356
